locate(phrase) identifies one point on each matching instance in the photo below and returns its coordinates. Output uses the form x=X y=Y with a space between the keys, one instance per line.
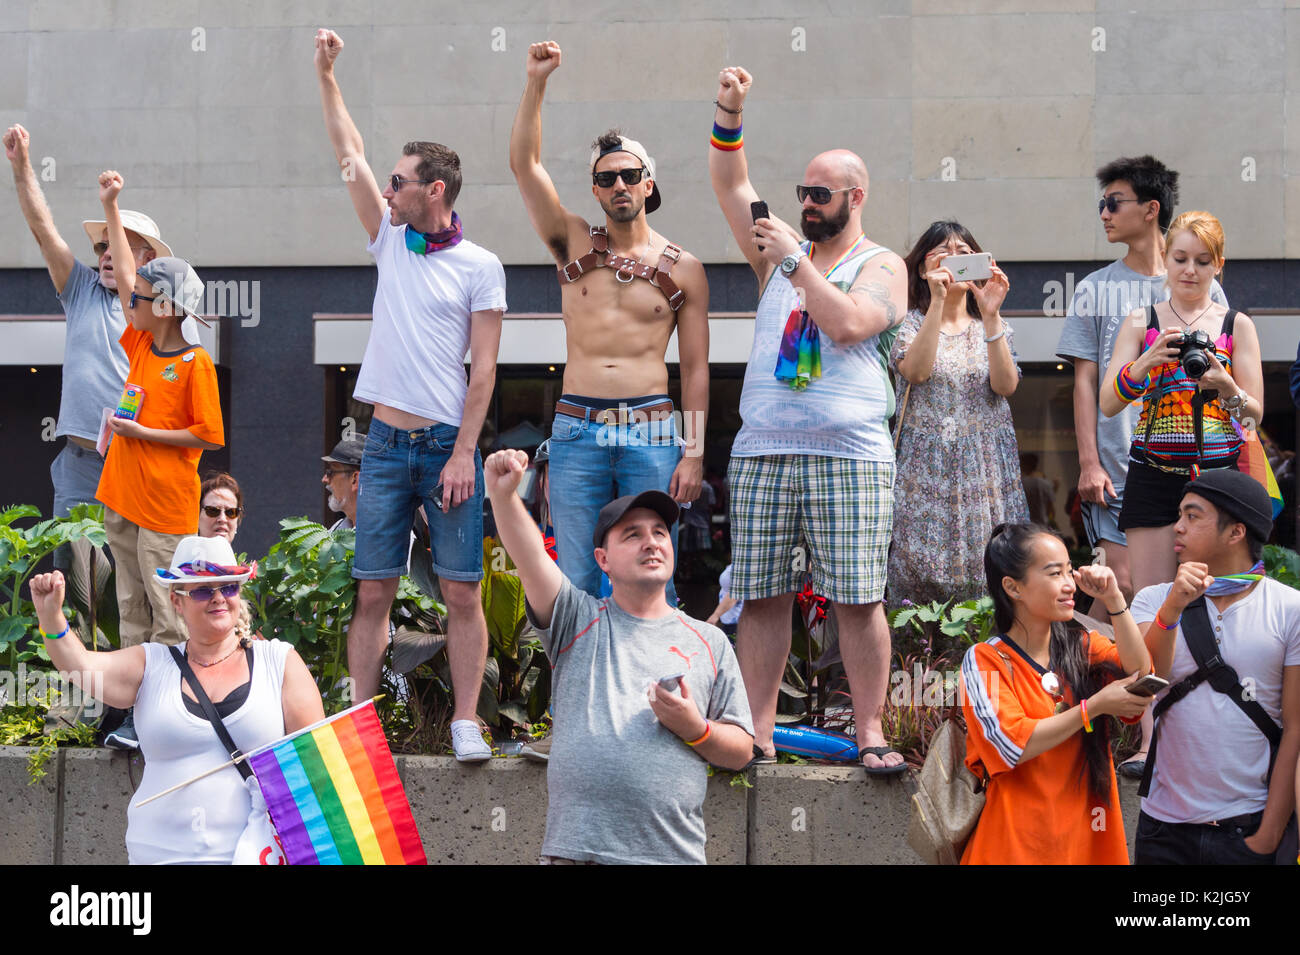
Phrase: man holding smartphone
x=643 y=695
x=624 y=289
x=812 y=469
x=438 y=295
x=1220 y=779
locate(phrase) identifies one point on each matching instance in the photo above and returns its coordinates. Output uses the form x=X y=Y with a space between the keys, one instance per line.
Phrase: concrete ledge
x=495 y=813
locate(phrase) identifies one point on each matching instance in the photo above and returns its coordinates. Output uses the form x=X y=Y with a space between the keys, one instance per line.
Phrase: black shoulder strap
x=1229 y=320
x=1152 y=321
x=1211 y=667
x=210 y=712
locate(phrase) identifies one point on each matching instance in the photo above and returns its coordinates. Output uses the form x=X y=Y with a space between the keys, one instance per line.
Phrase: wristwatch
x=1235 y=404
x=791 y=262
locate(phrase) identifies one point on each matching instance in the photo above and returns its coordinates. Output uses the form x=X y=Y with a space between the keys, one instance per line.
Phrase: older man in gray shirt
x=643 y=695
x=94 y=364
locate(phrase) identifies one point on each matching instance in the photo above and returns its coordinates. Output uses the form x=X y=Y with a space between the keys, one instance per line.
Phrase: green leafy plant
x=1282 y=564
x=21 y=550
x=29 y=725
x=941 y=629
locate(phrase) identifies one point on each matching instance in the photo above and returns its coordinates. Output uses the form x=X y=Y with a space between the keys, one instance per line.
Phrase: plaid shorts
x=792 y=514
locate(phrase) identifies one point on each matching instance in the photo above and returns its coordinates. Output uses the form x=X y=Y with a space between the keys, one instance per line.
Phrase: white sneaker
x=467 y=741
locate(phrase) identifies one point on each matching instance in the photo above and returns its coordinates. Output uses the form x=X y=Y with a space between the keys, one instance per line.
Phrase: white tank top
x=843 y=413
x=199 y=823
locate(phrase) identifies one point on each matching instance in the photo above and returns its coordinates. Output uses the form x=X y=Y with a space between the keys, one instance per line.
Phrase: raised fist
x=503 y=470
x=733 y=85
x=110 y=184
x=543 y=59
x=16 y=143
x=328 y=47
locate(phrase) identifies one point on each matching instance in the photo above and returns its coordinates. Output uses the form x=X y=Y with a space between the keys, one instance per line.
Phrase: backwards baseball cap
x=136 y=222
x=176 y=280
x=626 y=145
x=1237 y=494
x=348 y=451
x=613 y=512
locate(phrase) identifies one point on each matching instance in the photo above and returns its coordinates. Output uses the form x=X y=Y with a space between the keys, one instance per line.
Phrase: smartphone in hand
x=758 y=210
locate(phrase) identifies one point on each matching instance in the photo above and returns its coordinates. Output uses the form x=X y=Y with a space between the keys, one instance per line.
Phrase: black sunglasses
x=214 y=512
x=1111 y=204
x=204 y=594
x=605 y=179
x=137 y=297
x=397 y=182
x=820 y=194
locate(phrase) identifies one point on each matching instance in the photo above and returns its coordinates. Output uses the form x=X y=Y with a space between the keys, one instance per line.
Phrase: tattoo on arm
x=879 y=296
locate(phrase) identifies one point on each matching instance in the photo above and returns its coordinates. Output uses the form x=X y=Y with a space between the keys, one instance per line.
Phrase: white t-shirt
x=1211 y=761
x=415 y=360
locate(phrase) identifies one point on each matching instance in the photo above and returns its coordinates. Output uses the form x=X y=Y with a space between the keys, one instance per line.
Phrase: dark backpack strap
x=210 y=712
x=1210 y=666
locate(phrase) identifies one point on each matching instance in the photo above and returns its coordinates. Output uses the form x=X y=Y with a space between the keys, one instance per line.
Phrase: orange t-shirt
x=156 y=485
x=1040 y=811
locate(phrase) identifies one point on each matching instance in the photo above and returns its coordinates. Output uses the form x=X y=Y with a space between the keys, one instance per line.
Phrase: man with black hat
x=637 y=685
x=1220 y=774
x=624 y=290
x=342 y=477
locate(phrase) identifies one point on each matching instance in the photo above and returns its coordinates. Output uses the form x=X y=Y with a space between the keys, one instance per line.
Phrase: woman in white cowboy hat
x=261 y=690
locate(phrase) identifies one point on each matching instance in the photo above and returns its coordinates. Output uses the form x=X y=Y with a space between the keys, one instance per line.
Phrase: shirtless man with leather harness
x=624 y=289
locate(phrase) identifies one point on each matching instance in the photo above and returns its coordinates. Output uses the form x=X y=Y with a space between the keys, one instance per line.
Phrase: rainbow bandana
x=203 y=568
x=799 y=356
x=1232 y=583
x=422 y=243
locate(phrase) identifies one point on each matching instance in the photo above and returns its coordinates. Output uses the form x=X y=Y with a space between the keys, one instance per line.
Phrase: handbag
x=948 y=800
x=258 y=844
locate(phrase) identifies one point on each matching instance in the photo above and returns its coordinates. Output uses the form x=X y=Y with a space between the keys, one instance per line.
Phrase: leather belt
x=621 y=414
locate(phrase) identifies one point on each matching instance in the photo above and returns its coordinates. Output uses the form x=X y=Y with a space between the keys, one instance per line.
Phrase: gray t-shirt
x=1212 y=761
x=622 y=787
x=1100 y=304
x=94 y=363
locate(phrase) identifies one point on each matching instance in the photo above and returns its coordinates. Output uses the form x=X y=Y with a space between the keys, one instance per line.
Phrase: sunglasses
x=102 y=247
x=137 y=297
x=609 y=177
x=820 y=194
x=204 y=594
x=1111 y=204
x=397 y=182
x=214 y=512
x=330 y=472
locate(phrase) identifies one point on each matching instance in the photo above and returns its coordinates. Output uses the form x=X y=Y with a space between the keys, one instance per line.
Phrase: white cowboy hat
x=136 y=222
x=202 y=560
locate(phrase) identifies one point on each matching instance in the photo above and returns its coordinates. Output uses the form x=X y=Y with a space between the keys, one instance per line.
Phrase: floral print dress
x=958 y=473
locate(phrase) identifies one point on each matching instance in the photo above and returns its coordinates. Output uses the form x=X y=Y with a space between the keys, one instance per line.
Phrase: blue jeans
x=592 y=464
x=399 y=471
x=75 y=473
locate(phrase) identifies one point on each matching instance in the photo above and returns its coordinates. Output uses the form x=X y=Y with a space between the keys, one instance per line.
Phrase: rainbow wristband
x=728 y=140
x=56 y=636
x=1165 y=626
x=1087 y=724
x=1128 y=389
x=708 y=728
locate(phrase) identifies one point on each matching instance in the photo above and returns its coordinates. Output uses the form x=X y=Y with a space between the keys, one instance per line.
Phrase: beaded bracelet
x=57 y=636
x=728 y=140
x=728 y=109
x=708 y=728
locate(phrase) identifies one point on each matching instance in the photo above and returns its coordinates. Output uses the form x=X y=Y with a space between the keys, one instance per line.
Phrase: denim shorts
x=399 y=471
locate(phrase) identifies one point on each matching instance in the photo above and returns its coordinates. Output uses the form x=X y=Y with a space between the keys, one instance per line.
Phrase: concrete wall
x=997 y=112
x=496 y=812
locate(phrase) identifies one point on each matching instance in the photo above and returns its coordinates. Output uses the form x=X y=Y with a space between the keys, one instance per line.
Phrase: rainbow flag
x=335 y=796
x=1253 y=460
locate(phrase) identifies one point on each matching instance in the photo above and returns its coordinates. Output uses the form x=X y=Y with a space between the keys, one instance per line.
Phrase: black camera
x=1194 y=354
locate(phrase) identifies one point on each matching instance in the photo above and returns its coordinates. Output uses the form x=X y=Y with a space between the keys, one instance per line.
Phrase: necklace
x=1187 y=324
x=239 y=645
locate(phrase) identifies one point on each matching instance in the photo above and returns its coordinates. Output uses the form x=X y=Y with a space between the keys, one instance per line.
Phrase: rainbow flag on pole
x=335 y=796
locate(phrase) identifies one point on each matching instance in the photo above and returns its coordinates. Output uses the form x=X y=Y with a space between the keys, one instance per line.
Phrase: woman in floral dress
x=958 y=473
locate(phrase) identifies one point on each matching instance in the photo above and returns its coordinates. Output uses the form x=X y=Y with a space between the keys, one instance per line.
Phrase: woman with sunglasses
x=958 y=471
x=261 y=690
x=1196 y=399
x=221 y=506
x=1034 y=699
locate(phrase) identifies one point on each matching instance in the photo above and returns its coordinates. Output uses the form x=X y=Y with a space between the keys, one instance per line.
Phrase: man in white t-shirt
x=1212 y=799
x=438 y=295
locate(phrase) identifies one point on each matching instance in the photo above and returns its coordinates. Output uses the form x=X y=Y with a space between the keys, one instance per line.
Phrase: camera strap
x=1210 y=667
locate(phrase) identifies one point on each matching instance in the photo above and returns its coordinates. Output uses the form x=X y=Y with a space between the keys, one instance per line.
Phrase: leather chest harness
x=601 y=257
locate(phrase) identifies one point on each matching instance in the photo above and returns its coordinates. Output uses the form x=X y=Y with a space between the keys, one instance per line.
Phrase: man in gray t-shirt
x=1138 y=199
x=94 y=364
x=627 y=772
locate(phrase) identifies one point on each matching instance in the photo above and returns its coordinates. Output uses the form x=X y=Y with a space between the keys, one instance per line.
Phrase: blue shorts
x=399 y=471
x=1101 y=521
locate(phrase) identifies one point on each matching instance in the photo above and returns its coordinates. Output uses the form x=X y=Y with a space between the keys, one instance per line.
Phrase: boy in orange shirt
x=150 y=483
